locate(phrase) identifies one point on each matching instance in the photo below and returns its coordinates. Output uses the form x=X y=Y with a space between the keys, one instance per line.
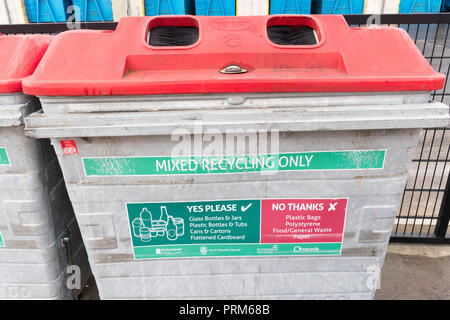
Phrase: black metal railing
x=425 y=209
x=424 y=213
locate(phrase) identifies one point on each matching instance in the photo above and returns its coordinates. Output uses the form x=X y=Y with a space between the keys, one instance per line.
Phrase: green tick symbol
x=243 y=209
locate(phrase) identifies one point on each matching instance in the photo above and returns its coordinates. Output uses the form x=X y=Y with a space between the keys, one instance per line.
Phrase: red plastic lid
x=80 y=63
x=19 y=57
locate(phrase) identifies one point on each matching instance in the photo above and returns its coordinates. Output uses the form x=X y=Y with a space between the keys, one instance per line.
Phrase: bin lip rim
x=11 y=86
x=142 y=88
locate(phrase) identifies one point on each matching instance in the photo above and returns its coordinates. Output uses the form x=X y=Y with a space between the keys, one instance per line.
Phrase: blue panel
x=47 y=10
x=94 y=10
x=215 y=7
x=338 y=6
x=168 y=7
x=290 y=6
x=419 y=6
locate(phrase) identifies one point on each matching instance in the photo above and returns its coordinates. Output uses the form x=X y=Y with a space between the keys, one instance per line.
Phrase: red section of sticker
x=302 y=220
x=69 y=147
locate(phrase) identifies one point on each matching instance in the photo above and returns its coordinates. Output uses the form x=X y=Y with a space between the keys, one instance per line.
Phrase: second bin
x=39 y=237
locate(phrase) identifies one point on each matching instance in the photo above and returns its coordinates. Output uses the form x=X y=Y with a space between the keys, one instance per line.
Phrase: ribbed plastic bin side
x=127 y=8
x=338 y=6
x=445 y=6
x=252 y=7
x=93 y=10
x=419 y=6
x=168 y=7
x=290 y=6
x=215 y=7
x=4 y=16
x=12 y=12
x=47 y=10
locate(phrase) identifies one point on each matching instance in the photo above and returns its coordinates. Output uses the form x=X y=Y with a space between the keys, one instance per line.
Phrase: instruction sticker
x=69 y=147
x=4 y=157
x=264 y=227
x=229 y=164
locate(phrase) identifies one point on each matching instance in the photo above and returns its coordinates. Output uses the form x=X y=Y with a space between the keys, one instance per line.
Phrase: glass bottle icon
x=171 y=230
x=146 y=218
x=164 y=216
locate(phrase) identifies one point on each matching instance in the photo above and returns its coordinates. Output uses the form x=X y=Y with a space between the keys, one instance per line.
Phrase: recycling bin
x=421 y=6
x=168 y=7
x=445 y=6
x=375 y=6
x=215 y=7
x=93 y=10
x=402 y=6
x=340 y=6
x=127 y=8
x=39 y=237
x=253 y=157
x=41 y=11
x=290 y=6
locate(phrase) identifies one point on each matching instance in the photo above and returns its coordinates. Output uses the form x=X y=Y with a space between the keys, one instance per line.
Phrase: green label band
x=142 y=166
x=223 y=250
x=4 y=157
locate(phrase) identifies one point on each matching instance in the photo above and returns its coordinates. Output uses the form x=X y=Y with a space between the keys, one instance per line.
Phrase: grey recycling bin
x=209 y=157
x=39 y=237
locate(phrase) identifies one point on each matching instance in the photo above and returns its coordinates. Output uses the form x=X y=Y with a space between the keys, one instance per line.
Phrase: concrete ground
x=416 y=271
x=410 y=271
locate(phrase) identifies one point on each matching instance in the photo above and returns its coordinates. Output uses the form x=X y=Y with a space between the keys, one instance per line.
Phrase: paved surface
x=415 y=272
x=410 y=272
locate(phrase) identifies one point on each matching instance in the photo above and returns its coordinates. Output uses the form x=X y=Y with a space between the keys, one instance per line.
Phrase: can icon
x=145 y=234
x=179 y=223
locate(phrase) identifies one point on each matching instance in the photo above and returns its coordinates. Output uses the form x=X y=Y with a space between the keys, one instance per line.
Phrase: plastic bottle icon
x=171 y=230
x=146 y=217
x=137 y=224
x=164 y=216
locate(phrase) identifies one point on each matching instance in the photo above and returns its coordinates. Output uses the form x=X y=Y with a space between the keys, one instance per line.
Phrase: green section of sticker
x=2 y=243
x=4 y=157
x=221 y=250
x=204 y=222
x=327 y=160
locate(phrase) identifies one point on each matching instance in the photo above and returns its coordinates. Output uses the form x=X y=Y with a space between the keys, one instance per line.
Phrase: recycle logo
x=203 y=250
